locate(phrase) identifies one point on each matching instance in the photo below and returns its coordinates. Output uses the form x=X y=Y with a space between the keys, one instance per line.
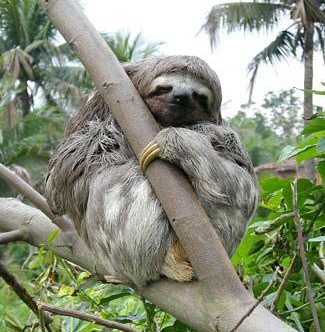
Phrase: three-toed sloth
x=95 y=177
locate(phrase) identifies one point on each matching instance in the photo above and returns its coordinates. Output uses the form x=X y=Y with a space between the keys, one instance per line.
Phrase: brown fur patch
x=177 y=265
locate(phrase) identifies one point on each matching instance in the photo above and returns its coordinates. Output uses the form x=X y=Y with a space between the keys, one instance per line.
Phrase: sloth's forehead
x=184 y=81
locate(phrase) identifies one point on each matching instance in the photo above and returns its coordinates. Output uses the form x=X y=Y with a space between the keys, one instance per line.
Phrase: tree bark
x=308 y=85
x=24 y=98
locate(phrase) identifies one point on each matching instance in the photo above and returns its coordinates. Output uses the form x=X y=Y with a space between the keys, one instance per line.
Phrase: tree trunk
x=308 y=85
x=10 y=116
x=24 y=99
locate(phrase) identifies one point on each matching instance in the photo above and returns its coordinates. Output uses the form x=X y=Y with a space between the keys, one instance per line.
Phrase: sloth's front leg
x=215 y=176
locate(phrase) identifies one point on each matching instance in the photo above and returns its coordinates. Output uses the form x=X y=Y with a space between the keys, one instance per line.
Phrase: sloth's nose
x=182 y=97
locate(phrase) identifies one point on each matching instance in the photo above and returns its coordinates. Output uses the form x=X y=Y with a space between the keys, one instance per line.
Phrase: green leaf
x=321 y=145
x=273 y=184
x=321 y=169
x=52 y=236
x=306 y=148
x=317 y=239
x=314 y=125
x=65 y=290
x=286 y=152
x=177 y=327
x=256 y=247
x=107 y=300
x=43 y=276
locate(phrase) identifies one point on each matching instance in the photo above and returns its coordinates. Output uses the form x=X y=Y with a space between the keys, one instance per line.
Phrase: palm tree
x=26 y=45
x=72 y=78
x=307 y=31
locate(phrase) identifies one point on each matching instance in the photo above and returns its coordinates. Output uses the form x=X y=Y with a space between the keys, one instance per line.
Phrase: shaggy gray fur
x=95 y=178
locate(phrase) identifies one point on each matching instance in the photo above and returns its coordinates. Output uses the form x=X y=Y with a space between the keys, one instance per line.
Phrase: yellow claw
x=149 y=153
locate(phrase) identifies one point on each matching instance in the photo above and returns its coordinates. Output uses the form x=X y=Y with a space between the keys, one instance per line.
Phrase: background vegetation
x=42 y=84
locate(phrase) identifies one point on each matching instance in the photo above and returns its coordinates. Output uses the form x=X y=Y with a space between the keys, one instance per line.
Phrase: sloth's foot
x=149 y=153
x=177 y=265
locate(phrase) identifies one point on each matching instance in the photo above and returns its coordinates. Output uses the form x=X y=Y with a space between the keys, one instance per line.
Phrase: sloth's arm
x=218 y=175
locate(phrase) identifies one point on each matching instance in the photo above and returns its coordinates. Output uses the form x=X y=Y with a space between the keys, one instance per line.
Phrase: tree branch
x=218 y=301
x=303 y=257
x=85 y=316
x=186 y=301
x=259 y=300
x=35 y=197
x=16 y=235
x=22 y=293
x=283 y=283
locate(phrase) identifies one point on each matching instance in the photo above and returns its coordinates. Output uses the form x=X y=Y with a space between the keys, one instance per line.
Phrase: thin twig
x=321 y=254
x=303 y=257
x=85 y=316
x=34 y=196
x=259 y=300
x=283 y=283
x=22 y=293
x=16 y=235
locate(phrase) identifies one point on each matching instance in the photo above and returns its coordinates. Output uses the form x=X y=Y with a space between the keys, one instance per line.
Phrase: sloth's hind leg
x=177 y=265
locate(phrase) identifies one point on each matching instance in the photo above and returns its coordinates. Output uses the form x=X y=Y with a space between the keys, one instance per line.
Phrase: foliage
x=273 y=126
x=272 y=241
x=56 y=281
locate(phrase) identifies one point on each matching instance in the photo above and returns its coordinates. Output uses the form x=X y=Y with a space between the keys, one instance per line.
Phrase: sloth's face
x=176 y=100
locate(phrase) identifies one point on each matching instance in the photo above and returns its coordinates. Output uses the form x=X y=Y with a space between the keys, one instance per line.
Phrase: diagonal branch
x=34 y=196
x=16 y=235
x=22 y=293
x=215 y=303
x=85 y=316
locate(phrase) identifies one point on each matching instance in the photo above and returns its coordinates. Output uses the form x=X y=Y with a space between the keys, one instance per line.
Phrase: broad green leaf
x=303 y=147
x=107 y=300
x=309 y=153
x=273 y=184
x=314 y=125
x=286 y=152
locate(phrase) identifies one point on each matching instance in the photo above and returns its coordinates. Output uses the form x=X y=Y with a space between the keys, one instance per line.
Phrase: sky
x=177 y=23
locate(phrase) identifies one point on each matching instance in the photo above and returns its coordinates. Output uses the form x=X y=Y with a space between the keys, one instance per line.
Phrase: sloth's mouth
x=175 y=106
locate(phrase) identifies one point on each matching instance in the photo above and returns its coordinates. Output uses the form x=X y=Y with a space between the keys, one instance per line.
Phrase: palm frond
x=129 y=49
x=320 y=39
x=315 y=12
x=247 y=16
x=280 y=48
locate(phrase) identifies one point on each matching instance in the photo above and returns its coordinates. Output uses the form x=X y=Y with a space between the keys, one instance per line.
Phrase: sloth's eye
x=201 y=99
x=160 y=90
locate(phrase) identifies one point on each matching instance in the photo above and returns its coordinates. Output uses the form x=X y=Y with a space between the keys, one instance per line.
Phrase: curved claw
x=149 y=153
